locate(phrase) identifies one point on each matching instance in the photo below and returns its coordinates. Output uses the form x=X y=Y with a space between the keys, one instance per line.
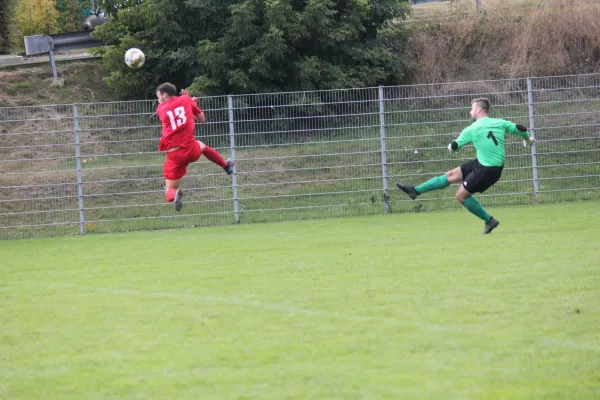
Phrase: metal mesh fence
x=38 y=182
x=85 y=168
x=567 y=122
x=307 y=155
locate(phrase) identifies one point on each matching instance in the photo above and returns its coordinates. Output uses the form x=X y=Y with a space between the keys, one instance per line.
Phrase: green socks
x=475 y=208
x=439 y=182
x=470 y=203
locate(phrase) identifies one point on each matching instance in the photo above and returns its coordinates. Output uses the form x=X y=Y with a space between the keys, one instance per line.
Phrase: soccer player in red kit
x=177 y=115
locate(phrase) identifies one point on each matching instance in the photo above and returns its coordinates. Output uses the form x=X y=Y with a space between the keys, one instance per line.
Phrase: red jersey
x=177 y=118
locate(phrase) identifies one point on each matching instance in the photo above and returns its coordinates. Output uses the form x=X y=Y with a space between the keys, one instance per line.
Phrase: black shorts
x=477 y=178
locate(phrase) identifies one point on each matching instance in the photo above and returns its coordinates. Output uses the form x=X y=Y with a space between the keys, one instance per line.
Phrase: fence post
x=53 y=65
x=79 y=176
x=536 y=186
x=236 y=214
x=386 y=196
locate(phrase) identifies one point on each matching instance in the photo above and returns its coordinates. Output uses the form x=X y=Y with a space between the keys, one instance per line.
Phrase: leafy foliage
x=112 y=7
x=236 y=46
x=34 y=17
x=71 y=14
x=6 y=14
x=302 y=45
x=167 y=31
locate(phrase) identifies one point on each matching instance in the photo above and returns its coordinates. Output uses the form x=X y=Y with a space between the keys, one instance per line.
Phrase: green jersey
x=487 y=135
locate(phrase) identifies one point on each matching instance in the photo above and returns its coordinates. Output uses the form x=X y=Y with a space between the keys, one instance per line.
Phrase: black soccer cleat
x=409 y=190
x=491 y=225
x=178 y=200
x=229 y=167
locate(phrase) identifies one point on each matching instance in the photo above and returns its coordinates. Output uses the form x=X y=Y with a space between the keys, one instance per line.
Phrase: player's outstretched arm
x=531 y=140
x=198 y=113
x=201 y=118
x=521 y=130
x=185 y=92
x=463 y=139
x=517 y=129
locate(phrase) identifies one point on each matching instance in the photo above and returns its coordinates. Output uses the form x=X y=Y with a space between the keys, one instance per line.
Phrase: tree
x=290 y=45
x=34 y=17
x=234 y=46
x=6 y=13
x=112 y=7
x=167 y=31
x=71 y=15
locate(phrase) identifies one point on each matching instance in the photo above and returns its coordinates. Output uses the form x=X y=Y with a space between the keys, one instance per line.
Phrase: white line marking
x=564 y=343
x=243 y=303
x=211 y=299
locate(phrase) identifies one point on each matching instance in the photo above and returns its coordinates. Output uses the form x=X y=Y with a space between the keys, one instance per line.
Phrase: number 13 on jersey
x=177 y=117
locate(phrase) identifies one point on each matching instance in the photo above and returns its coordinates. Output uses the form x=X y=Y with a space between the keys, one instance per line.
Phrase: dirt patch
x=82 y=82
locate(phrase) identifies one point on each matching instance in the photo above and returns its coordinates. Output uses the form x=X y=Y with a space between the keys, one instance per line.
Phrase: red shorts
x=177 y=161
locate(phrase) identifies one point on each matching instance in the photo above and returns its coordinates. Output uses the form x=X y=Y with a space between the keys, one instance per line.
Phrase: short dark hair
x=167 y=88
x=483 y=103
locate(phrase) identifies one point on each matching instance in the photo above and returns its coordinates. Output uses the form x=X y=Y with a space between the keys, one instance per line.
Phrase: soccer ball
x=134 y=58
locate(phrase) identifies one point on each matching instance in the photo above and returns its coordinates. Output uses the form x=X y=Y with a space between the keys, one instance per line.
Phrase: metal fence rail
x=84 y=168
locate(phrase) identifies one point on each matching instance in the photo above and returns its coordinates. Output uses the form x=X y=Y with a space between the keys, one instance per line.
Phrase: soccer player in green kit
x=487 y=136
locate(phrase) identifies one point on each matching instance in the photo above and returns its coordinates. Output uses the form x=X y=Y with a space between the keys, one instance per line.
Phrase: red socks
x=212 y=155
x=170 y=195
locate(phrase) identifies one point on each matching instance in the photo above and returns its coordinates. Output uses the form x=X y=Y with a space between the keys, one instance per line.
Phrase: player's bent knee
x=462 y=195
x=202 y=146
x=454 y=176
x=171 y=184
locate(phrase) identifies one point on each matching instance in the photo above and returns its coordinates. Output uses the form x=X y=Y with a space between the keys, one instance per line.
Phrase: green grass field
x=413 y=306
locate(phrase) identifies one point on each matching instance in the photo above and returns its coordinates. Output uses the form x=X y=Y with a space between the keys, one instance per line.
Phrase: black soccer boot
x=490 y=225
x=229 y=167
x=178 y=200
x=409 y=190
